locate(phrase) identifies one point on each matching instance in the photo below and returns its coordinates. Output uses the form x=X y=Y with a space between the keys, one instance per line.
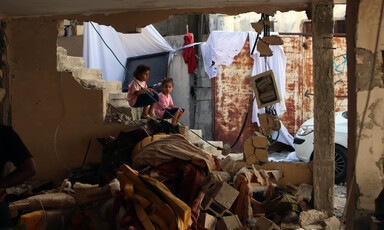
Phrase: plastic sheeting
x=98 y=56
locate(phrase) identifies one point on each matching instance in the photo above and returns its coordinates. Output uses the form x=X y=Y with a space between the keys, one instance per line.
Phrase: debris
x=264 y=49
x=269 y=124
x=291 y=217
x=209 y=148
x=304 y=192
x=255 y=149
x=310 y=217
x=86 y=193
x=229 y=223
x=281 y=204
x=169 y=148
x=263 y=223
x=313 y=227
x=224 y=176
x=331 y=223
x=31 y=220
x=304 y=205
x=166 y=207
x=228 y=165
x=273 y=40
x=223 y=194
x=243 y=202
x=50 y=200
x=289 y=226
x=207 y=221
x=258 y=26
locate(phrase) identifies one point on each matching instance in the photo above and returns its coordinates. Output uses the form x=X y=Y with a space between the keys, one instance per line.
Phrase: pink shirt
x=132 y=88
x=165 y=102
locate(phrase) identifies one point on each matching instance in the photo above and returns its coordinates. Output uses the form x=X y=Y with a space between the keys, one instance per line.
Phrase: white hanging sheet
x=222 y=47
x=277 y=63
x=98 y=56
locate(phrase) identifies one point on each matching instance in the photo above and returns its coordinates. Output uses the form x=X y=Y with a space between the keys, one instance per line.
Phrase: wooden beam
x=324 y=111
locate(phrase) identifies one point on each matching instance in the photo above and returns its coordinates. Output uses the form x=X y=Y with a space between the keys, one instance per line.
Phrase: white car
x=304 y=144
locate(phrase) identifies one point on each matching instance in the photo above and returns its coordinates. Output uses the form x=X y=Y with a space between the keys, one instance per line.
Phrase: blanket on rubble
x=169 y=148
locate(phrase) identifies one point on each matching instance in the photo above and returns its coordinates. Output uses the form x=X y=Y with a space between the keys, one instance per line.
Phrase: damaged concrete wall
x=369 y=166
x=54 y=115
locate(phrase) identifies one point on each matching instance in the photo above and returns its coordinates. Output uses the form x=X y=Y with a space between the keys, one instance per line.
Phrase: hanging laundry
x=189 y=53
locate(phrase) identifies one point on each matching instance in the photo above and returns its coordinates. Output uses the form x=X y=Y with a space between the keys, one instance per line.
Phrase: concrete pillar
x=324 y=111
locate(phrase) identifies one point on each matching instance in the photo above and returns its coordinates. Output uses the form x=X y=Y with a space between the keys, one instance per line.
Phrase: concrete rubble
x=183 y=187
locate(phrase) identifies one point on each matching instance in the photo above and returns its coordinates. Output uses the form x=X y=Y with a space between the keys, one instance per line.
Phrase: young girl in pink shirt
x=165 y=100
x=137 y=97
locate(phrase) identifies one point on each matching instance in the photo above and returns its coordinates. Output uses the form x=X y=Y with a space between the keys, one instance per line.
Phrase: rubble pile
x=164 y=181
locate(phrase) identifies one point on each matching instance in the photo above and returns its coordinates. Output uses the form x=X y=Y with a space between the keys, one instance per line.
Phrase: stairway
x=115 y=106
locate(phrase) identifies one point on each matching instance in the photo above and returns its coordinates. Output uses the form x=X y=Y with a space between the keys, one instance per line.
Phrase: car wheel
x=340 y=164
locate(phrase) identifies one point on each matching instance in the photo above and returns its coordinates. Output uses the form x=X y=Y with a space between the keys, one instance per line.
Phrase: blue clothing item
x=172 y=111
x=145 y=99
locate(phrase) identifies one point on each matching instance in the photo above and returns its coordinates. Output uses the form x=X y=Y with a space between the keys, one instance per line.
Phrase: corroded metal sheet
x=233 y=92
x=233 y=96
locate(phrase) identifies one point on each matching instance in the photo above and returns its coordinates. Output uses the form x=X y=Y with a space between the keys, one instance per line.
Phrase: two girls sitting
x=137 y=97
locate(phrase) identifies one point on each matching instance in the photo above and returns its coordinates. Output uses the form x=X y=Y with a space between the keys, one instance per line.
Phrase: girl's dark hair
x=166 y=80
x=141 y=68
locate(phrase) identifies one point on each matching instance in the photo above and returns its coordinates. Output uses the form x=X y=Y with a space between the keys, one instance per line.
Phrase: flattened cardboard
x=266 y=89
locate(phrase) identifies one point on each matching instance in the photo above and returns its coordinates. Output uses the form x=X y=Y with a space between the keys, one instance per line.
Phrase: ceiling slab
x=31 y=8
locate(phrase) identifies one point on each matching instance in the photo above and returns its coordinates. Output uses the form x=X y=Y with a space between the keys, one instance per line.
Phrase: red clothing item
x=189 y=53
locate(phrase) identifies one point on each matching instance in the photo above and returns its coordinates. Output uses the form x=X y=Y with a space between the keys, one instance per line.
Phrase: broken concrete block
x=294 y=173
x=209 y=183
x=209 y=148
x=310 y=217
x=291 y=188
x=210 y=205
x=207 y=221
x=255 y=149
x=224 y=176
x=190 y=134
x=289 y=226
x=304 y=192
x=313 y=227
x=260 y=141
x=331 y=223
x=229 y=223
x=225 y=195
x=228 y=165
x=274 y=175
x=264 y=223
